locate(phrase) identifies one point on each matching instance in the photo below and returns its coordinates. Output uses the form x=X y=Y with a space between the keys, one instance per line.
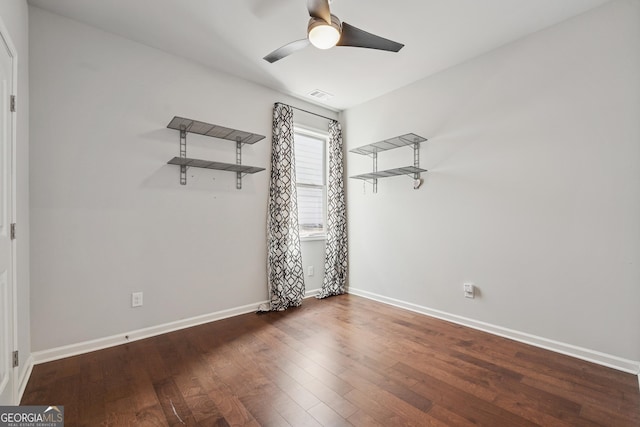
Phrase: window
x=310 y=149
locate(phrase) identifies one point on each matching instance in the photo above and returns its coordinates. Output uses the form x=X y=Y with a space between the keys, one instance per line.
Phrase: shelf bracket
x=416 y=159
x=238 y=162
x=183 y=154
x=417 y=181
x=375 y=169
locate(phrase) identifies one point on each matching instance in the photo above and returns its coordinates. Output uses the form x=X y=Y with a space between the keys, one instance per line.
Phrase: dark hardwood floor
x=340 y=361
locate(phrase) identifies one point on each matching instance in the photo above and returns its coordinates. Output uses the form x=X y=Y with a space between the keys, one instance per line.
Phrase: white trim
x=608 y=360
x=43 y=356
x=311 y=131
x=114 y=340
x=13 y=53
x=138 y=334
x=313 y=238
x=24 y=378
x=311 y=293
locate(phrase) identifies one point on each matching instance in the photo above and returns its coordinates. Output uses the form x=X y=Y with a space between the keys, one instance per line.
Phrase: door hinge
x=13 y=231
x=12 y=103
x=16 y=359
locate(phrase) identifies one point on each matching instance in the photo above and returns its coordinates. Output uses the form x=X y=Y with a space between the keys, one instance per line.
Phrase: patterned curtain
x=284 y=259
x=335 y=265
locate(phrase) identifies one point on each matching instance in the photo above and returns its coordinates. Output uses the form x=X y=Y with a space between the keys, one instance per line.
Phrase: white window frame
x=324 y=136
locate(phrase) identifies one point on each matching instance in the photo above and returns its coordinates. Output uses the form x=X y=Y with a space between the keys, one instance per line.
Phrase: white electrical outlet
x=469 y=290
x=136 y=299
x=310 y=271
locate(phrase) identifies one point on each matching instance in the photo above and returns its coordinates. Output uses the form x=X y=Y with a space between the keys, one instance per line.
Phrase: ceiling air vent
x=320 y=95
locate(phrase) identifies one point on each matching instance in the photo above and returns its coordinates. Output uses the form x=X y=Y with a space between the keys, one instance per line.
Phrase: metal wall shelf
x=407 y=170
x=207 y=129
x=207 y=164
x=407 y=140
x=389 y=144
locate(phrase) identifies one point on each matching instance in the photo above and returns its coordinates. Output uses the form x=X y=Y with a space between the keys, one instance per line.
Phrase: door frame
x=5 y=38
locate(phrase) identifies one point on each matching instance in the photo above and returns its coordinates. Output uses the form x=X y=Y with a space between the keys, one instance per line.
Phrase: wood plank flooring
x=337 y=362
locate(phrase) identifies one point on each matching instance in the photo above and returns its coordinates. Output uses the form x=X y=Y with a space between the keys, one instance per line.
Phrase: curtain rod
x=305 y=111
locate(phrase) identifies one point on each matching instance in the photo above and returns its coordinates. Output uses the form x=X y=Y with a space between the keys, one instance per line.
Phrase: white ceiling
x=234 y=35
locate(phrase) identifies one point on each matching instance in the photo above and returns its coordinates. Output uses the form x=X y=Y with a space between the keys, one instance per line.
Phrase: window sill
x=313 y=238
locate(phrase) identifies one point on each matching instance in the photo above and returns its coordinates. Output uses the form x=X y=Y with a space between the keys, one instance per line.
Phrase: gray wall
x=532 y=194
x=109 y=217
x=313 y=256
x=533 y=189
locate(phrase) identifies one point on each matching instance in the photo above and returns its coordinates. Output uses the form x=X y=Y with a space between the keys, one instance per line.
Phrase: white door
x=7 y=372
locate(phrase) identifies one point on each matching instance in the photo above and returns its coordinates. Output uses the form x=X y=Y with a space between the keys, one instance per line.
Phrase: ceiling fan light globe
x=323 y=35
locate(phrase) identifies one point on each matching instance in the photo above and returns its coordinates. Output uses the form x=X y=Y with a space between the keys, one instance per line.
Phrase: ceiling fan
x=326 y=31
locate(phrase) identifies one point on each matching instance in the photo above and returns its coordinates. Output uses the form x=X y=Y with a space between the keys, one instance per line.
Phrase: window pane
x=309 y=159
x=310 y=210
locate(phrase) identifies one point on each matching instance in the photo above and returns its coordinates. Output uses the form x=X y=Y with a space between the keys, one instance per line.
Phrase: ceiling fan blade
x=286 y=50
x=355 y=37
x=319 y=9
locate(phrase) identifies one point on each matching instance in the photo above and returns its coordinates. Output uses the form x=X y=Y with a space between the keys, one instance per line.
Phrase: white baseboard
x=311 y=293
x=139 y=334
x=24 y=378
x=43 y=356
x=625 y=365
